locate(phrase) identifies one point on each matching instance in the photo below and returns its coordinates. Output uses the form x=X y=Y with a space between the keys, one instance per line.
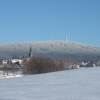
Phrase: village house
x=5 y=62
x=87 y=64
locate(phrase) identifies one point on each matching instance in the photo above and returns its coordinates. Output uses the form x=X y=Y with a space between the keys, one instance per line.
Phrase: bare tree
x=37 y=65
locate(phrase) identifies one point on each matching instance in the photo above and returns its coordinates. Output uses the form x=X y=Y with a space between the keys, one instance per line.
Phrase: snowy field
x=79 y=84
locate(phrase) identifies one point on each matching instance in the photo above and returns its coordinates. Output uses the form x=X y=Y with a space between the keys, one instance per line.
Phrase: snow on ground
x=9 y=76
x=3 y=74
x=79 y=84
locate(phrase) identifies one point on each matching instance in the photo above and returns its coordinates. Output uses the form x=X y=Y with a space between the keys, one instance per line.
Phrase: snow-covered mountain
x=81 y=84
x=51 y=49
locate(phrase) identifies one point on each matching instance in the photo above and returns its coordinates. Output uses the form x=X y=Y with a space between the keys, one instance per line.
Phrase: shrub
x=38 y=65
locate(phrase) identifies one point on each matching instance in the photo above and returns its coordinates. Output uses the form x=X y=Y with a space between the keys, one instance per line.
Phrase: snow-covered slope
x=51 y=49
x=81 y=84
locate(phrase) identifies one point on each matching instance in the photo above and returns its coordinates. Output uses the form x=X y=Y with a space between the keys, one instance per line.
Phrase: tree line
x=38 y=65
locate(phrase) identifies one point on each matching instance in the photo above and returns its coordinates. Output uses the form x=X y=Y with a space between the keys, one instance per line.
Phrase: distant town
x=16 y=67
x=13 y=67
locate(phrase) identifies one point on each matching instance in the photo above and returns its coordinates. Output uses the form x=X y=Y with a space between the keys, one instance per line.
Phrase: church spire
x=30 y=52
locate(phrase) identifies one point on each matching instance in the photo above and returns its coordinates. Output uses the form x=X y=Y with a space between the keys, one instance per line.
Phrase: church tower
x=30 y=52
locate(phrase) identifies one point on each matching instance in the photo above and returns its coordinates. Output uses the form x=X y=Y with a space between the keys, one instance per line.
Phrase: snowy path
x=80 y=84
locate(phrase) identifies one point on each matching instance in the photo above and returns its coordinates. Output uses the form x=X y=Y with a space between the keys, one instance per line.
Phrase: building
x=30 y=52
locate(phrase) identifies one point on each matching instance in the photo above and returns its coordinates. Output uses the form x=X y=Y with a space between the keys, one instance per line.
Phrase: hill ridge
x=57 y=49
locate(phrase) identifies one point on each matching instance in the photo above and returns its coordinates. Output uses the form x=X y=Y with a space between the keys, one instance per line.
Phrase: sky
x=41 y=20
